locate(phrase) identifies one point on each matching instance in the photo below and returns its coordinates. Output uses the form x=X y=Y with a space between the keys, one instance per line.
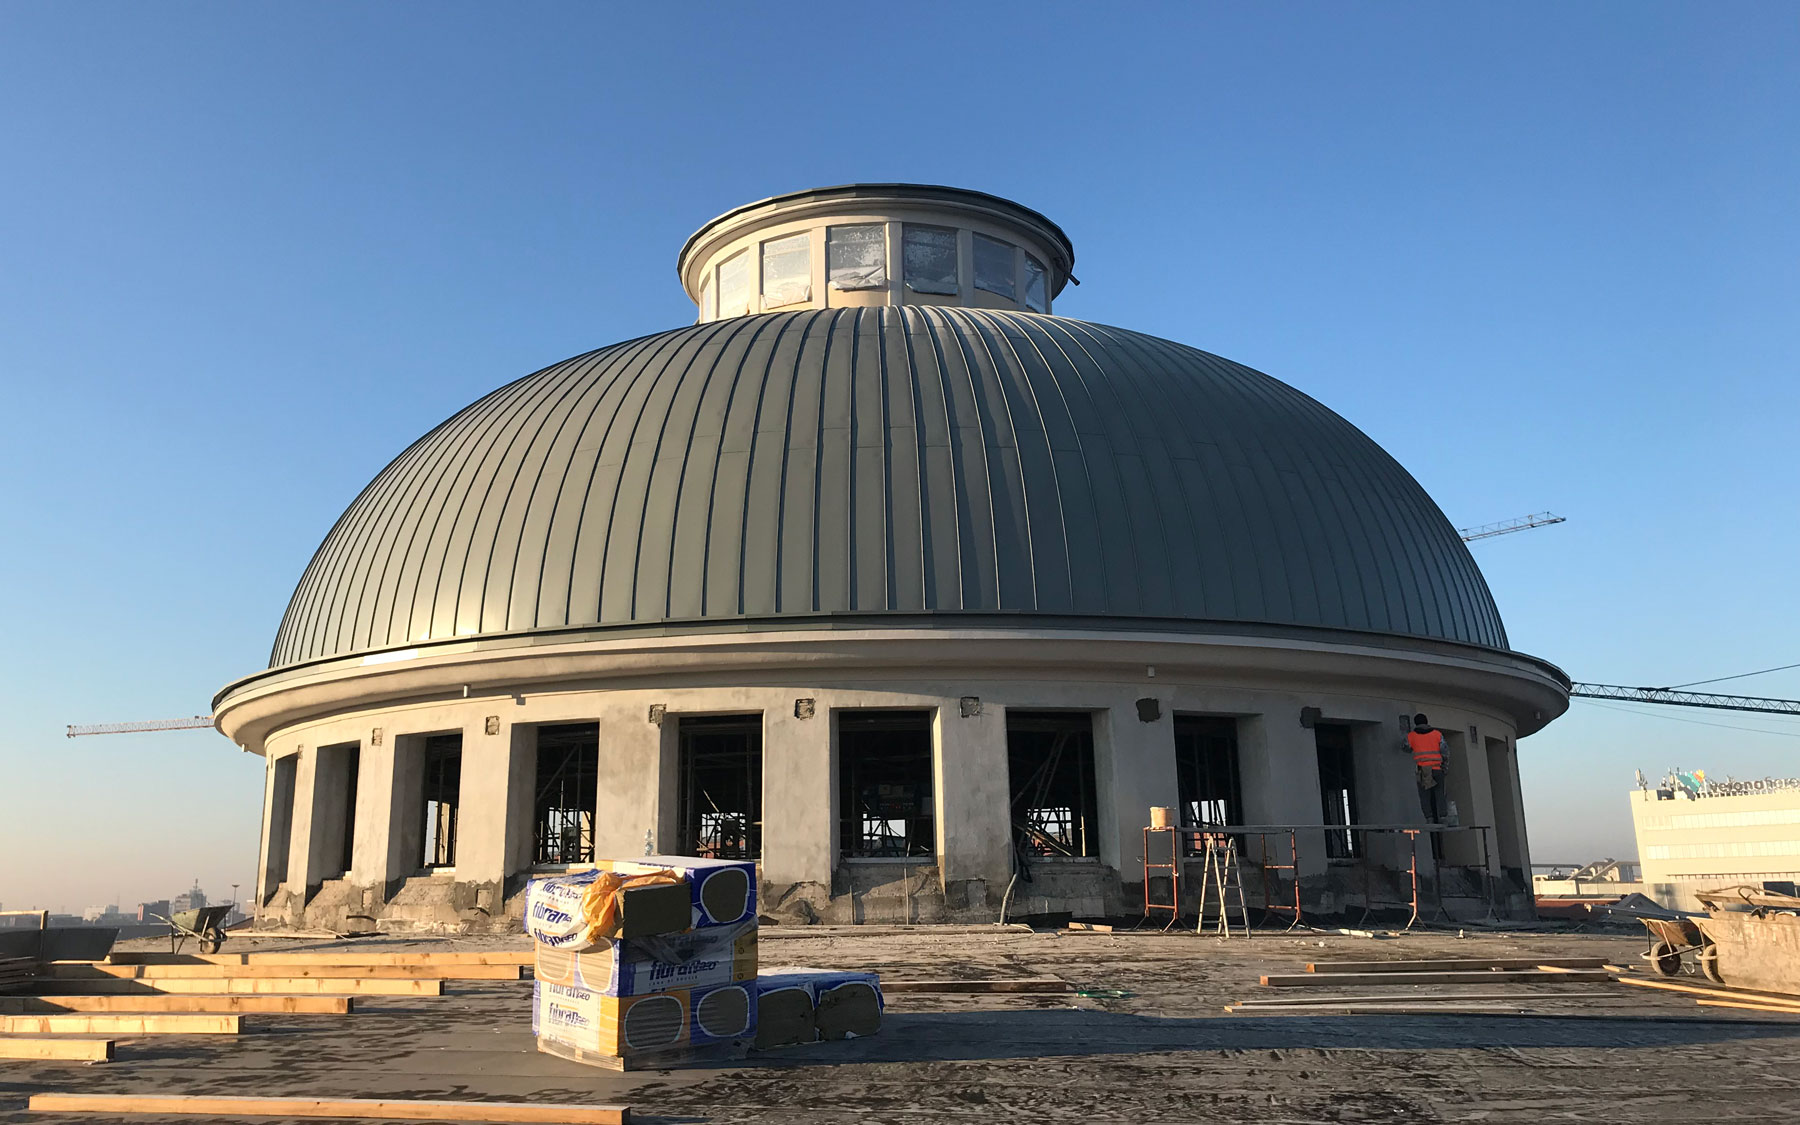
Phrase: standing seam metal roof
x=887 y=460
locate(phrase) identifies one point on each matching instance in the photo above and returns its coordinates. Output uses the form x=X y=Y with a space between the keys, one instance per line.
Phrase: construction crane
x=1507 y=527
x=76 y=730
x=1686 y=698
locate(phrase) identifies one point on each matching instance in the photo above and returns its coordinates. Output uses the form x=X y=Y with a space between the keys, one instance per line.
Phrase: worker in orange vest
x=1429 y=760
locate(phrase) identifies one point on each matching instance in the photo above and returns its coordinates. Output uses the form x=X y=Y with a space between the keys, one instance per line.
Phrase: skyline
x=1544 y=271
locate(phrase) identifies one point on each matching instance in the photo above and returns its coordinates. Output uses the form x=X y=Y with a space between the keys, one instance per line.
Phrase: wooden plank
x=1090 y=928
x=1413 y=998
x=254 y=986
x=1455 y=965
x=1720 y=991
x=155 y=1002
x=1026 y=984
x=120 y=1024
x=1389 y=1010
x=123 y=957
x=1340 y=980
x=1792 y=1009
x=71 y=1050
x=87 y=971
x=367 y=1108
x=357 y=957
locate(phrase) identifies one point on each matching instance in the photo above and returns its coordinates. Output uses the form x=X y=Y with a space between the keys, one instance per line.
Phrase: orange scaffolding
x=1176 y=839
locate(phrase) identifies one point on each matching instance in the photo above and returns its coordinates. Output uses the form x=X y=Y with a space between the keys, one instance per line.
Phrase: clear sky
x=1548 y=255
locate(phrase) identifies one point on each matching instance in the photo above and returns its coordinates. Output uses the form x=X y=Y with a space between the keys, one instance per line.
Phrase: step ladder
x=1222 y=906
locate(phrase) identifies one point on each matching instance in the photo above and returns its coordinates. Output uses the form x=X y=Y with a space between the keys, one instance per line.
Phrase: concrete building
x=887 y=577
x=1711 y=835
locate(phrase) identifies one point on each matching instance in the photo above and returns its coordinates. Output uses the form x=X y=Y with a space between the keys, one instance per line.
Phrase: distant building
x=153 y=911
x=193 y=899
x=1694 y=834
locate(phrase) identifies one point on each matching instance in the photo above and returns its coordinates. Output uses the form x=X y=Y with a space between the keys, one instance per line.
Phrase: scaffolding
x=1176 y=843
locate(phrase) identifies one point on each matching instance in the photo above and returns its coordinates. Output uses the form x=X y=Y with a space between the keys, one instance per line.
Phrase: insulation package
x=724 y=890
x=658 y=1021
x=635 y=966
x=800 y=1005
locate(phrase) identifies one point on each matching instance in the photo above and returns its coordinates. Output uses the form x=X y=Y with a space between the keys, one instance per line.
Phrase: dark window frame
x=1335 y=744
x=565 y=794
x=873 y=784
x=1053 y=752
x=705 y=757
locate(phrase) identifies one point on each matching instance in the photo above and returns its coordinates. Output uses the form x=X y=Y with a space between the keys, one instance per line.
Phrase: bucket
x=1162 y=817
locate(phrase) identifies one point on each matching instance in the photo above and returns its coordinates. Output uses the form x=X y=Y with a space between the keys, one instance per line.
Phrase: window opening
x=930 y=259
x=994 y=269
x=1206 y=767
x=352 y=766
x=787 y=271
x=1037 y=293
x=856 y=256
x=1050 y=763
x=281 y=822
x=443 y=789
x=568 y=785
x=1337 y=788
x=719 y=787
x=885 y=807
x=734 y=286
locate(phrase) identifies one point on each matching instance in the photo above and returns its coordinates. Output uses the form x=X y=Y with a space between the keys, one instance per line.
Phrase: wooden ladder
x=1222 y=889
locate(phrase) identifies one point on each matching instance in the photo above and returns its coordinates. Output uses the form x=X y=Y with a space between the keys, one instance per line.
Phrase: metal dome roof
x=899 y=460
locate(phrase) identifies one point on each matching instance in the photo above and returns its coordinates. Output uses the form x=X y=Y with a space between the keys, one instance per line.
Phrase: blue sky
x=1546 y=254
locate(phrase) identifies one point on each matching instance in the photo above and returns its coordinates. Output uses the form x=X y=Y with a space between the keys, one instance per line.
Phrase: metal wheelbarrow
x=1670 y=938
x=205 y=924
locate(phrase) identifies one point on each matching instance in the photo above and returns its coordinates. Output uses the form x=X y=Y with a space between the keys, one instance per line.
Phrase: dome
x=829 y=465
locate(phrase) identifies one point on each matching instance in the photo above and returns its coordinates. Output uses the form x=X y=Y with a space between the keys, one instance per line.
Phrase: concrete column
x=494 y=801
x=1509 y=806
x=974 y=798
x=331 y=813
x=1135 y=769
x=1279 y=763
x=300 y=837
x=372 y=862
x=1387 y=792
x=799 y=833
x=1467 y=783
x=630 y=779
x=278 y=823
x=406 y=804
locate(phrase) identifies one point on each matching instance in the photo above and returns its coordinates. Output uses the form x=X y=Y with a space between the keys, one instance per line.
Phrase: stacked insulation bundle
x=808 y=1005
x=642 y=962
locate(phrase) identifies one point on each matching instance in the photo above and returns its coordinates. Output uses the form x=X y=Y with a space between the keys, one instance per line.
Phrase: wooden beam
x=1027 y=984
x=88 y=971
x=1718 y=991
x=1339 y=980
x=1792 y=1009
x=1413 y=998
x=366 y=1108
x=71 y=1050
x=1388 y=1010
x=153 y=1002
x=416 y=957
x=1455 y=965
x=222 y=986
x=120 y=1024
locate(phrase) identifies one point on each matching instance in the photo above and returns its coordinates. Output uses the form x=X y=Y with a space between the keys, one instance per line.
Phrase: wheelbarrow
x=1672 y=937
x=205 y=924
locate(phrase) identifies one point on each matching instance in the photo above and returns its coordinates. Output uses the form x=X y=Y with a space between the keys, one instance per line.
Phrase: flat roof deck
x=1165 y=1052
